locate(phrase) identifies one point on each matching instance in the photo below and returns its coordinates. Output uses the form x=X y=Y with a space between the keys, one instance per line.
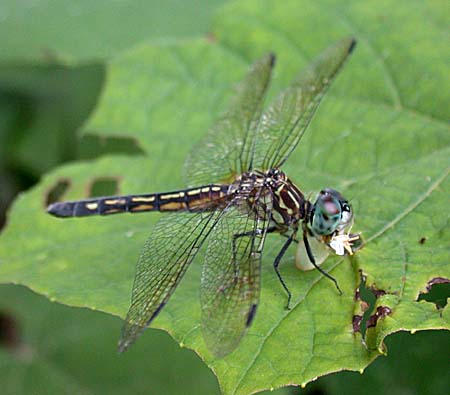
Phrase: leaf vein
x=411 y=207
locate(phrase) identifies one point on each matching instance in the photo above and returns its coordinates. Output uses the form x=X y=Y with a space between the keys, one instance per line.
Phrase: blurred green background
x=44 y=100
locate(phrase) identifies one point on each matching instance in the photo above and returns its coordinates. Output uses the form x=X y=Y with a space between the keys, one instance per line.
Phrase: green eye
x=327 y=212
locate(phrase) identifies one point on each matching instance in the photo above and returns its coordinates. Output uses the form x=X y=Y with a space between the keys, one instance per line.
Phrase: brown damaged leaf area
x=381 y=312
x=437 y=280
x=437 y=291
x=356 y=323
x=366 y=316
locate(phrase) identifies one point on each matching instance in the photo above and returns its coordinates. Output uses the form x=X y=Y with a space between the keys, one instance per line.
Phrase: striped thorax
x=271 y=193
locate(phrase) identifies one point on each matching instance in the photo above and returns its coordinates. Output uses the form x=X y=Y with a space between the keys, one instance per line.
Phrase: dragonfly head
x=331 y=212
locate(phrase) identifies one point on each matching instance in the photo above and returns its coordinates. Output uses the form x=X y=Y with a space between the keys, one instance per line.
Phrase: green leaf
x=379 y=137
x=82 y=31
x=47 y=348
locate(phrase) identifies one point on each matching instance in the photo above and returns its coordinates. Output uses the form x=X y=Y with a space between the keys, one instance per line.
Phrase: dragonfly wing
x=166 y=255
x=230 y=285
x=226 y=149
x=284 y=123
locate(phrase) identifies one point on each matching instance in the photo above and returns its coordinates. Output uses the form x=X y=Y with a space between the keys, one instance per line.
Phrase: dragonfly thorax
x=272 y=195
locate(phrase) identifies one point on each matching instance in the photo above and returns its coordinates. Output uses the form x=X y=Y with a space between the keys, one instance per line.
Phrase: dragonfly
x=237 y=194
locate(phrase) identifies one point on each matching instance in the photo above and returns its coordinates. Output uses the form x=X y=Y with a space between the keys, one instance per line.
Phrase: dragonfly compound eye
x=327 y=213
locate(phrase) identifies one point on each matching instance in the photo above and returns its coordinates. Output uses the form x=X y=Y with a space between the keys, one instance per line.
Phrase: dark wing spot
x=352 y=45
x=251 y=315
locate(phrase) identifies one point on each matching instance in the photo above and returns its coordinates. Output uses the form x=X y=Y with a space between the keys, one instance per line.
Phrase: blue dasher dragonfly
x=237 y=196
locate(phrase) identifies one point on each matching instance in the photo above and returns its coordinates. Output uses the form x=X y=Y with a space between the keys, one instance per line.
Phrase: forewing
x=166 y=255
x=284 y=123
x=226 y=149
x=230 y=285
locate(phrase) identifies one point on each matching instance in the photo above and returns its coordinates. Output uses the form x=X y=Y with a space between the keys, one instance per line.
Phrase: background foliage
x=155 y=79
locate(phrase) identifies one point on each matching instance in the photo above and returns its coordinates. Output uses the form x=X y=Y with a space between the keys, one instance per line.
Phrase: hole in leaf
x=93 y=146
x=56 y=193
x=422 y=240
x=107 y=186
x=9 y=331
x=382 y=311
x=367 y=297
x=437 y=292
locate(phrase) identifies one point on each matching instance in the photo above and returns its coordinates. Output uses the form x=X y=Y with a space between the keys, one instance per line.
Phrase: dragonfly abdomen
x=193 y=199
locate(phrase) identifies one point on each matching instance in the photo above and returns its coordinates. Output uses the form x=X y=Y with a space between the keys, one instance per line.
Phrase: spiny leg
x=276 y=263
x=313 y=261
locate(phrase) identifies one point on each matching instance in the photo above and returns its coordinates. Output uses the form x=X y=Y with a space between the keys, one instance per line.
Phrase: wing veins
x=304 y=95
x=231 y=298
x=134 y=326
x=180 y=257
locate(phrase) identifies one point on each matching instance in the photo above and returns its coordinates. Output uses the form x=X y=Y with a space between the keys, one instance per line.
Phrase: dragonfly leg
x=313 y=261
x=234 y=248
x=276 y=263
x=294 y=239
